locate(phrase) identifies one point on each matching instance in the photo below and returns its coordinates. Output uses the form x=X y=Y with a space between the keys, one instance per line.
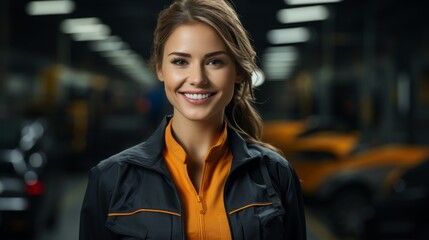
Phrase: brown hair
x=221 y=16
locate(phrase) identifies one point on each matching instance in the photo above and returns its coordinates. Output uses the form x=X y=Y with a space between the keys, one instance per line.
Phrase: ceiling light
x=117 y=54
x=288 y=35
x=85 y=29
x=301 y=2
x=285 y=53
x=68 y=25
x=279 y=62
x=113 y=43
x=303 y=14
x=50 y=7
x=88 y=28
x=83 y=25
x=92 y=36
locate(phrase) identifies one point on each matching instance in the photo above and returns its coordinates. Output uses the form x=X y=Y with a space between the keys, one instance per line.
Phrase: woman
x=204 y=173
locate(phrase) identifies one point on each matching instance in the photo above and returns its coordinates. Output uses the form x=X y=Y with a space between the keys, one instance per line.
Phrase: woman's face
x=198 y=73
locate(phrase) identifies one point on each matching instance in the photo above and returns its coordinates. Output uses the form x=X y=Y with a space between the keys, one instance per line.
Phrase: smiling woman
x=198 y=73
x=204 y=173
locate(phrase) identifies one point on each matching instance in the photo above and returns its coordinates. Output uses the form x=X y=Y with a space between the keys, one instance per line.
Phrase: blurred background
x=343 y=92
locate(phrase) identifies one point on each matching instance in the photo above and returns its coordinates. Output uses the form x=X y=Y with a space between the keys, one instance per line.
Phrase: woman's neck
x=196 y=137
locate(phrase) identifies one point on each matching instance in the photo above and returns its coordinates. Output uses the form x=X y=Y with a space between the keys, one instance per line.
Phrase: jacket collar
x=149 y=153
x=241 y=150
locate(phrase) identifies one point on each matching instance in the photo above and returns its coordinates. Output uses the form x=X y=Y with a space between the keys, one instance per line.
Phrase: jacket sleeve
x=295 y=225
x=94 y=210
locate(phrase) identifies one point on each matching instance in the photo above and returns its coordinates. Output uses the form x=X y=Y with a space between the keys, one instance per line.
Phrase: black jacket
x=262 y=195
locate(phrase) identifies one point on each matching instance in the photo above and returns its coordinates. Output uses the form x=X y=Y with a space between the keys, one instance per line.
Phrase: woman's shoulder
x=117 y=160
x=268 y=154
x=106 y=173
x=279 y=168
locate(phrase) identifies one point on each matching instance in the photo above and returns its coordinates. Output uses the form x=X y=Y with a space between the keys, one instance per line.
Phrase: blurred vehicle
x=29 y=182
x=403 y=212
x=341 y=170
x=283 y=133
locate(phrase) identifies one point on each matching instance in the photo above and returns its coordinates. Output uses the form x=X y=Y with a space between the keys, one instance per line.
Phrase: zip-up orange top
x=204 y=210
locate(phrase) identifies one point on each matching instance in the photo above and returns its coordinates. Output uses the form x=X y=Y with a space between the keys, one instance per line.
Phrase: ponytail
x=242 y=117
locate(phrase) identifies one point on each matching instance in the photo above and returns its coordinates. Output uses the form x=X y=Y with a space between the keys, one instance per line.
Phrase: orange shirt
x=205 y=215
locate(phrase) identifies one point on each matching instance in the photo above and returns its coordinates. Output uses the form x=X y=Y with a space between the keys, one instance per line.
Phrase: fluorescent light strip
x=302 y=2
x=280 y=57
x=69 y=25
x=275 y=65
x=77 y=29
x=50 y=7
x=122 y=53
x=85 y=26
x=288 y=35
x=96 y=36
x=113 y=43
x=101 y=46
x=124 y=62
x=279 y=62
x=85 y=29
x=302 y=14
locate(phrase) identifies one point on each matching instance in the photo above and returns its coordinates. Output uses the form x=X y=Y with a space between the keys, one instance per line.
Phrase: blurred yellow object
x=283 y=134
x=338 y=144
x=327 y=161
x=338 y=168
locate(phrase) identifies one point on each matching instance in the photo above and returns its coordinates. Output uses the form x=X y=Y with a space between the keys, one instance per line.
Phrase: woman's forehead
x=196 y=37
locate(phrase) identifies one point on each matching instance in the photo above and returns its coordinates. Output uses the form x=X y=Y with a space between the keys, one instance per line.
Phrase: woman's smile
x=197 y=97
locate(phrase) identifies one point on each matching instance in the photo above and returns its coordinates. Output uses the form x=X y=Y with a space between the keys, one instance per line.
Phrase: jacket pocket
x=258 y=221
x=125 y=230
x=143 y=224
x=271 y=222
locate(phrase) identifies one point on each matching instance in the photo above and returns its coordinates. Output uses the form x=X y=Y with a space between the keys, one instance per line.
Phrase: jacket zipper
x=200 y=198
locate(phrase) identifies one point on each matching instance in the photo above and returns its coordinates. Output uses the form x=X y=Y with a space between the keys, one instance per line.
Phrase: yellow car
x=339 y=169
x=284 y=133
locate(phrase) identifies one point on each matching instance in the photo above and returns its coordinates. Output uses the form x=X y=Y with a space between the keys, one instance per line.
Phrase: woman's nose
x=198 y=76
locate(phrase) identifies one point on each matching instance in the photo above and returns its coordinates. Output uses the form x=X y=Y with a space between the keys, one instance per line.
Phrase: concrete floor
x=68 y=223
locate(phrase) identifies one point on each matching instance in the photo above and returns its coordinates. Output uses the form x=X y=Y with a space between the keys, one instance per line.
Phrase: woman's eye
x=179 y=62
x=214 y=62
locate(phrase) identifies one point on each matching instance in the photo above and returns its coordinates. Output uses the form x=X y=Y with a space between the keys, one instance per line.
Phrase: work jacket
x=131 y=195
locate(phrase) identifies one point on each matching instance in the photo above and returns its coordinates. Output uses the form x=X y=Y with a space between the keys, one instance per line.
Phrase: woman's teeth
x=196 y=96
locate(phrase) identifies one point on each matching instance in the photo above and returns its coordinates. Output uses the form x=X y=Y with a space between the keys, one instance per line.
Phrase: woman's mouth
x=197 y=96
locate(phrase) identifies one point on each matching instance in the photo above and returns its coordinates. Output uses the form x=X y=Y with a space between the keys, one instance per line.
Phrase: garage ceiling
x=134 y=20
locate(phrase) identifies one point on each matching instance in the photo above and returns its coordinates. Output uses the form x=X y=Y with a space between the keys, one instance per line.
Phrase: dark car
x=29 y=188
x=402 y=213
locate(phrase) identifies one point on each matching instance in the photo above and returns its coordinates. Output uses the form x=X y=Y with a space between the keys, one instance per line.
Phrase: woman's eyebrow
x=182 y=54
x=215 y=53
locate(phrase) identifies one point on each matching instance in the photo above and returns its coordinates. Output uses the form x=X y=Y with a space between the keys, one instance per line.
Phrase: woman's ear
x=159 y=73
x=240 y=77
